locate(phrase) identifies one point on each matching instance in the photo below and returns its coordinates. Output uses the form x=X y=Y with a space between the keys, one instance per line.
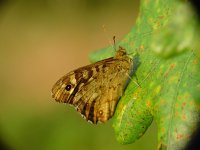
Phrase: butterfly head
x=121 y=52
x=64 y=88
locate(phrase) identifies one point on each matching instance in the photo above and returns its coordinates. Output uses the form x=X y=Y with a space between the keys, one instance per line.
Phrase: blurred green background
x=41 y=40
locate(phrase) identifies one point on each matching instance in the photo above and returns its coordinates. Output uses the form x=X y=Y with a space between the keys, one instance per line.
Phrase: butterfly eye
x=68 y=87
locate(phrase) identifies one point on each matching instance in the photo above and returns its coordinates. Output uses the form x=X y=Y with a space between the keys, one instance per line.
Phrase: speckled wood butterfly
x=94 y=90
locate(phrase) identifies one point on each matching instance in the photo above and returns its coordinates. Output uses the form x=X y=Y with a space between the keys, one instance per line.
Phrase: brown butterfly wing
x=97 y=98
x=75 y=80
x=95 y=89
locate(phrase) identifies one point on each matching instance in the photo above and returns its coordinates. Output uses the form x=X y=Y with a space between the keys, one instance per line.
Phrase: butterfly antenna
x=106 y=34
x=114 y=43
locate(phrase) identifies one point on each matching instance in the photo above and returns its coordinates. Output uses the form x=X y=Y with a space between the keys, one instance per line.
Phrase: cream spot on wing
x=83 y=116
x=106 y=69
x=94 y=95
x=94 y=70
x=81 y=85
x=63 y=86
x=100 y=68
x=57 y=94
x=90 y=79
x=73 y=79
x=85 y=74
x=90 y=121
x=71 y=91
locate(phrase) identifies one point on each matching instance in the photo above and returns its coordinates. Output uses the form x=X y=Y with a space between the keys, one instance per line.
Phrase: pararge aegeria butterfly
x=94 y=90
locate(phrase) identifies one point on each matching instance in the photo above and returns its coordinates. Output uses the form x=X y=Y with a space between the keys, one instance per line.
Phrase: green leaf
x=182 y=33
x=169 y=89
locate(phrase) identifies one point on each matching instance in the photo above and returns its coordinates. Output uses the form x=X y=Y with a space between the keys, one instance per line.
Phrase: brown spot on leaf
x=176 y=114
x=186 y=96
x=161 y=17
x=183 y=104
x=191 y=103
x=176 y=105
x=172 y=66
x=184 y=117
x=195 y=61
x=178 y=135
x=148 y=103
x=141 y=47
x=162 y=129
x=179 y=97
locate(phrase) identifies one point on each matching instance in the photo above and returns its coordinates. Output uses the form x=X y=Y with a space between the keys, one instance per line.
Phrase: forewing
x=97 y=98
x=95 y=89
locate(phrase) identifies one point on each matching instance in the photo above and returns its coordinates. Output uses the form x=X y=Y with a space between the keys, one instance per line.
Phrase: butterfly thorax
x=120 y=53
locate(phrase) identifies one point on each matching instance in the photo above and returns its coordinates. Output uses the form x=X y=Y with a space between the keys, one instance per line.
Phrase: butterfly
x=94 y=90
